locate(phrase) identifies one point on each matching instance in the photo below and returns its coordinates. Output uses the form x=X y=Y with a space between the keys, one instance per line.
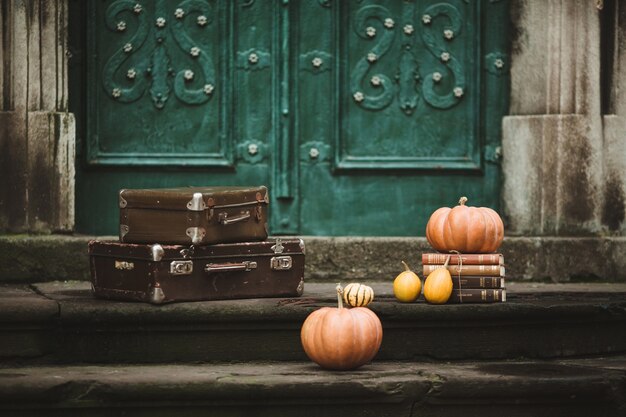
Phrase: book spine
x=476 y=270
x=467 y=296
x=465 y=259
x=465 y=282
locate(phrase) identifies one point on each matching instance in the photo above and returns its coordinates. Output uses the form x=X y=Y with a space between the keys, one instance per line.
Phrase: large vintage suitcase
x=198 y=216
x=161 y=273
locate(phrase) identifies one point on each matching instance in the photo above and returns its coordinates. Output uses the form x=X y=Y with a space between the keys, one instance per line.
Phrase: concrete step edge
x=573 y=386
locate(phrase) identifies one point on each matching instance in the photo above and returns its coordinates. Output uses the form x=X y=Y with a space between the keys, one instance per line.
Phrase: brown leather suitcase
x=160 y=273
x=193 y=215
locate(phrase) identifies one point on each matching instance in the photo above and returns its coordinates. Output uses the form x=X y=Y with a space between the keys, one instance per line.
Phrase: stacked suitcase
x=190 y=244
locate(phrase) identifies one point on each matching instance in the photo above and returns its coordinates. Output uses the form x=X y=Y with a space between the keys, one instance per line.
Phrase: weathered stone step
x=38 y=258
x=568 y=388
x=58 y=322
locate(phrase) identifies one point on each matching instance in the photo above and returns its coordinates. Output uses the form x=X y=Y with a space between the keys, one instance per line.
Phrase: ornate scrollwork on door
x=381 y=35
x=441 y=85
x=113 y=65
x=193 y=81
x=438 y=45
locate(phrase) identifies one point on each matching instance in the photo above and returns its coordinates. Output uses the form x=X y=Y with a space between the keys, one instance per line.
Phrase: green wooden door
x=361 y=117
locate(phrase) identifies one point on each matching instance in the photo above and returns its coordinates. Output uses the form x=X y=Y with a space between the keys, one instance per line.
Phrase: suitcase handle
x=223 y=218
x=243 y=266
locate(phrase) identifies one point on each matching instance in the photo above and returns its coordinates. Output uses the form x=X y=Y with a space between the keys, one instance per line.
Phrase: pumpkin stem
x=445 y=265
x=339 y=296
x=462 y=201
x=406 y=267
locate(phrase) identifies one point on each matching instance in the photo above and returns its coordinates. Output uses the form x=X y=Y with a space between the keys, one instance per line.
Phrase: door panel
x=362 y=117
x=408 y=86
x=155 y=95
x=179 y=93
x=399 y=114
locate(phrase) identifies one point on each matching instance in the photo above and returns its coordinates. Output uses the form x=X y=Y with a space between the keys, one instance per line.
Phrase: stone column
x=553 y=152
x=614 y=123
x=37 y=134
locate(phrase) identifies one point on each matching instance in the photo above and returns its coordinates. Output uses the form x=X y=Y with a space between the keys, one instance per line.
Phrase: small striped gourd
x=358 y=295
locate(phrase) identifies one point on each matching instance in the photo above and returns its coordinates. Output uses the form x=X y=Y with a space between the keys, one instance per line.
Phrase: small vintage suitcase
x=198 y=216
x=161 y=273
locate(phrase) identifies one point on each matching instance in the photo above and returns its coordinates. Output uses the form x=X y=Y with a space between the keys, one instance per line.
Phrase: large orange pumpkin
x=465 y=229
x=341 y=338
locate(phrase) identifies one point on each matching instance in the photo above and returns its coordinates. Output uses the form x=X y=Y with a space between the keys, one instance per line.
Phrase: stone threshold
x=38 y=258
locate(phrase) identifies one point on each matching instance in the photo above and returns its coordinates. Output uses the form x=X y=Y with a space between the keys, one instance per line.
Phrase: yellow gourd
x=358 y=295
x=438 y=285
x=407 y=286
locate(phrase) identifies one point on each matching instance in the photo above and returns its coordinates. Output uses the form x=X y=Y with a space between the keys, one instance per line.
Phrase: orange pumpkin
x=465 y=229
x=341 y=338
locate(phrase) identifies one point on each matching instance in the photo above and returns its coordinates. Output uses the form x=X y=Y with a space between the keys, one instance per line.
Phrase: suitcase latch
x=281 y=263
x=181 y=267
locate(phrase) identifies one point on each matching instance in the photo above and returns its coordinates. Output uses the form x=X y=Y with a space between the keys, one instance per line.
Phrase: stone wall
x=564 y=161
x=37 y=134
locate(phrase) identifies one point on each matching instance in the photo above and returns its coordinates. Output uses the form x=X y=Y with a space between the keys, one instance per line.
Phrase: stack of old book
x=476 y=278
